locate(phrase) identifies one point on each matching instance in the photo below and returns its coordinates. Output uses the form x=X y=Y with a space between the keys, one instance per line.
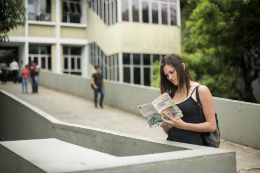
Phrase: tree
x=12 y=14
x=226 y=34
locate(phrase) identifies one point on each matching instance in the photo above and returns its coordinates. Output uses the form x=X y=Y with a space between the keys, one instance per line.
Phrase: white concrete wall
x=238 y=121
x=145 y=154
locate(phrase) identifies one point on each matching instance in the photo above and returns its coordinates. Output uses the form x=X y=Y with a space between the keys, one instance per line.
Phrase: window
x=108 y=64
x=39 y=10
x=164 y=14
x=71 y=11
x=125 y=15
x=72 y=60
x=155 y=12
x=145 y=11
x=135 y=11
x=106 y=10
x=41 y=55
x=138 y=68
x=173 y=14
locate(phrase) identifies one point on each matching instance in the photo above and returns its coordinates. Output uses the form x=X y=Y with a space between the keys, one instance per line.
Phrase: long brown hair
x=184 y=76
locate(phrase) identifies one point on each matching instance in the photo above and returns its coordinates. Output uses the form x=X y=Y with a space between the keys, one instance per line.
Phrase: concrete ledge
x=233 y=115
x=52 y=155
x=144 y=154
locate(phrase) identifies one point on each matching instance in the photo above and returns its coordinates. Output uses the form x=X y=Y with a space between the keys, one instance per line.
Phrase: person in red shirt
x=34 y=73
x=25 y=76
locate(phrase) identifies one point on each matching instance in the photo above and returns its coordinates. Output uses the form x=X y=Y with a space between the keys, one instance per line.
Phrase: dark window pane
x=145 y=12
x=155 y=12
x=100 y=9
x=74 y=19
x=43 y=66
x=105 y=19
x=146 y=58
x=65 y=8
x=72 y=62
x=156 y=58
x=125 y=16
x=164 y=14
x=78 y=8
x=127 y=74
x=137 y=76
x=72 y=8
x=135 y=7
x=173 y=15
x=64 y=19
x=65 y=63
x=147 y=76
x=33 y=49
x=136 y=58
x=76 y=73
x=48 y=6
x=126 y=58
x=75 y=51
x=44 y=50
x=35 y=59
x=49 y=63
x=116 y=9
x=65 y=50
x=79 y=63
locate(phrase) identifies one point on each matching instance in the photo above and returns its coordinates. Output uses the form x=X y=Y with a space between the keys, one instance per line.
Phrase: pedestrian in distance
x=34 y=73
x=4 y=73
x=177 y=81
x=98 y=84
x=14 y=68
x=25 y=76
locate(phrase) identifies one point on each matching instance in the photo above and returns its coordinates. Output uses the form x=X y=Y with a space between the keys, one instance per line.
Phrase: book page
x=165 y=104
x=150 y=114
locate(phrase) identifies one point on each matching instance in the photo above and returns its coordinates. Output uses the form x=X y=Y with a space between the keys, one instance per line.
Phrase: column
x=57 y=32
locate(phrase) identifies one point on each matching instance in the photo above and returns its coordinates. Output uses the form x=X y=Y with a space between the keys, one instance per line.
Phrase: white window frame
x=39 y=56
x=76 y=57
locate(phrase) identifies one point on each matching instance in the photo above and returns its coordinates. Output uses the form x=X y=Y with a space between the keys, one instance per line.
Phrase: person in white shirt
x=14 y=67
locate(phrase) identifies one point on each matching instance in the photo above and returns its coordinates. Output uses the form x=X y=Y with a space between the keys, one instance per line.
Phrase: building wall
x=53 y=15
x=73 y=32
x=19 y=31
x=41 y=31
x=149 y=39
x=53 y=54
x=133 y=37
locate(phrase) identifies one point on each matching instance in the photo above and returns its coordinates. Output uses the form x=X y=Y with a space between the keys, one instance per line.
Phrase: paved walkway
x=73 y=109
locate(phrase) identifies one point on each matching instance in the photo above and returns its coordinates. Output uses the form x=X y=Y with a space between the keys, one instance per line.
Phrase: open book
x=152 y=112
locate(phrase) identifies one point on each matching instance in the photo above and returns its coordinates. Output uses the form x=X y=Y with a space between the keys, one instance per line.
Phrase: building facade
x=123 y=37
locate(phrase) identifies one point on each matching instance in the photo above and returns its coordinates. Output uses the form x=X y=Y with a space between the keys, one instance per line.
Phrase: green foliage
x=206 y=71
x=12 y=14
x=156 y=74
x=223 y=38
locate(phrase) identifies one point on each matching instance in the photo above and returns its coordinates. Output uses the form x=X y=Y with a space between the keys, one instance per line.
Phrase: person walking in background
x=25 y=76
x=98 y=84
x=14 y=67
x=4 y=70
x=34 y=73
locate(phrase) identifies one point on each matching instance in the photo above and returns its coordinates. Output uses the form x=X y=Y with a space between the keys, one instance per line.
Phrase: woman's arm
x=208 y=110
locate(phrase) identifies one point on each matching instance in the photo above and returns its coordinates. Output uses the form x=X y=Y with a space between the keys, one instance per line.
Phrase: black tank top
x=191 y=114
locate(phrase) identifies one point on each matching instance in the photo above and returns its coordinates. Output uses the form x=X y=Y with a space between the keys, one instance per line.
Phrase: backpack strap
x=202 y=117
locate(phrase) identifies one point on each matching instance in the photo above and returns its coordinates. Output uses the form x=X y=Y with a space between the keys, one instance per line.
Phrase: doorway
x=7 y=54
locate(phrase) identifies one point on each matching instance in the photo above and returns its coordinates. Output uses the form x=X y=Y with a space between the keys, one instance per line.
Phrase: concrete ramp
x=52 y=155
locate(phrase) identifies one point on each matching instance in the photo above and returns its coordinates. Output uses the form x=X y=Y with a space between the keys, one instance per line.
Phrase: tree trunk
x=248 y=94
